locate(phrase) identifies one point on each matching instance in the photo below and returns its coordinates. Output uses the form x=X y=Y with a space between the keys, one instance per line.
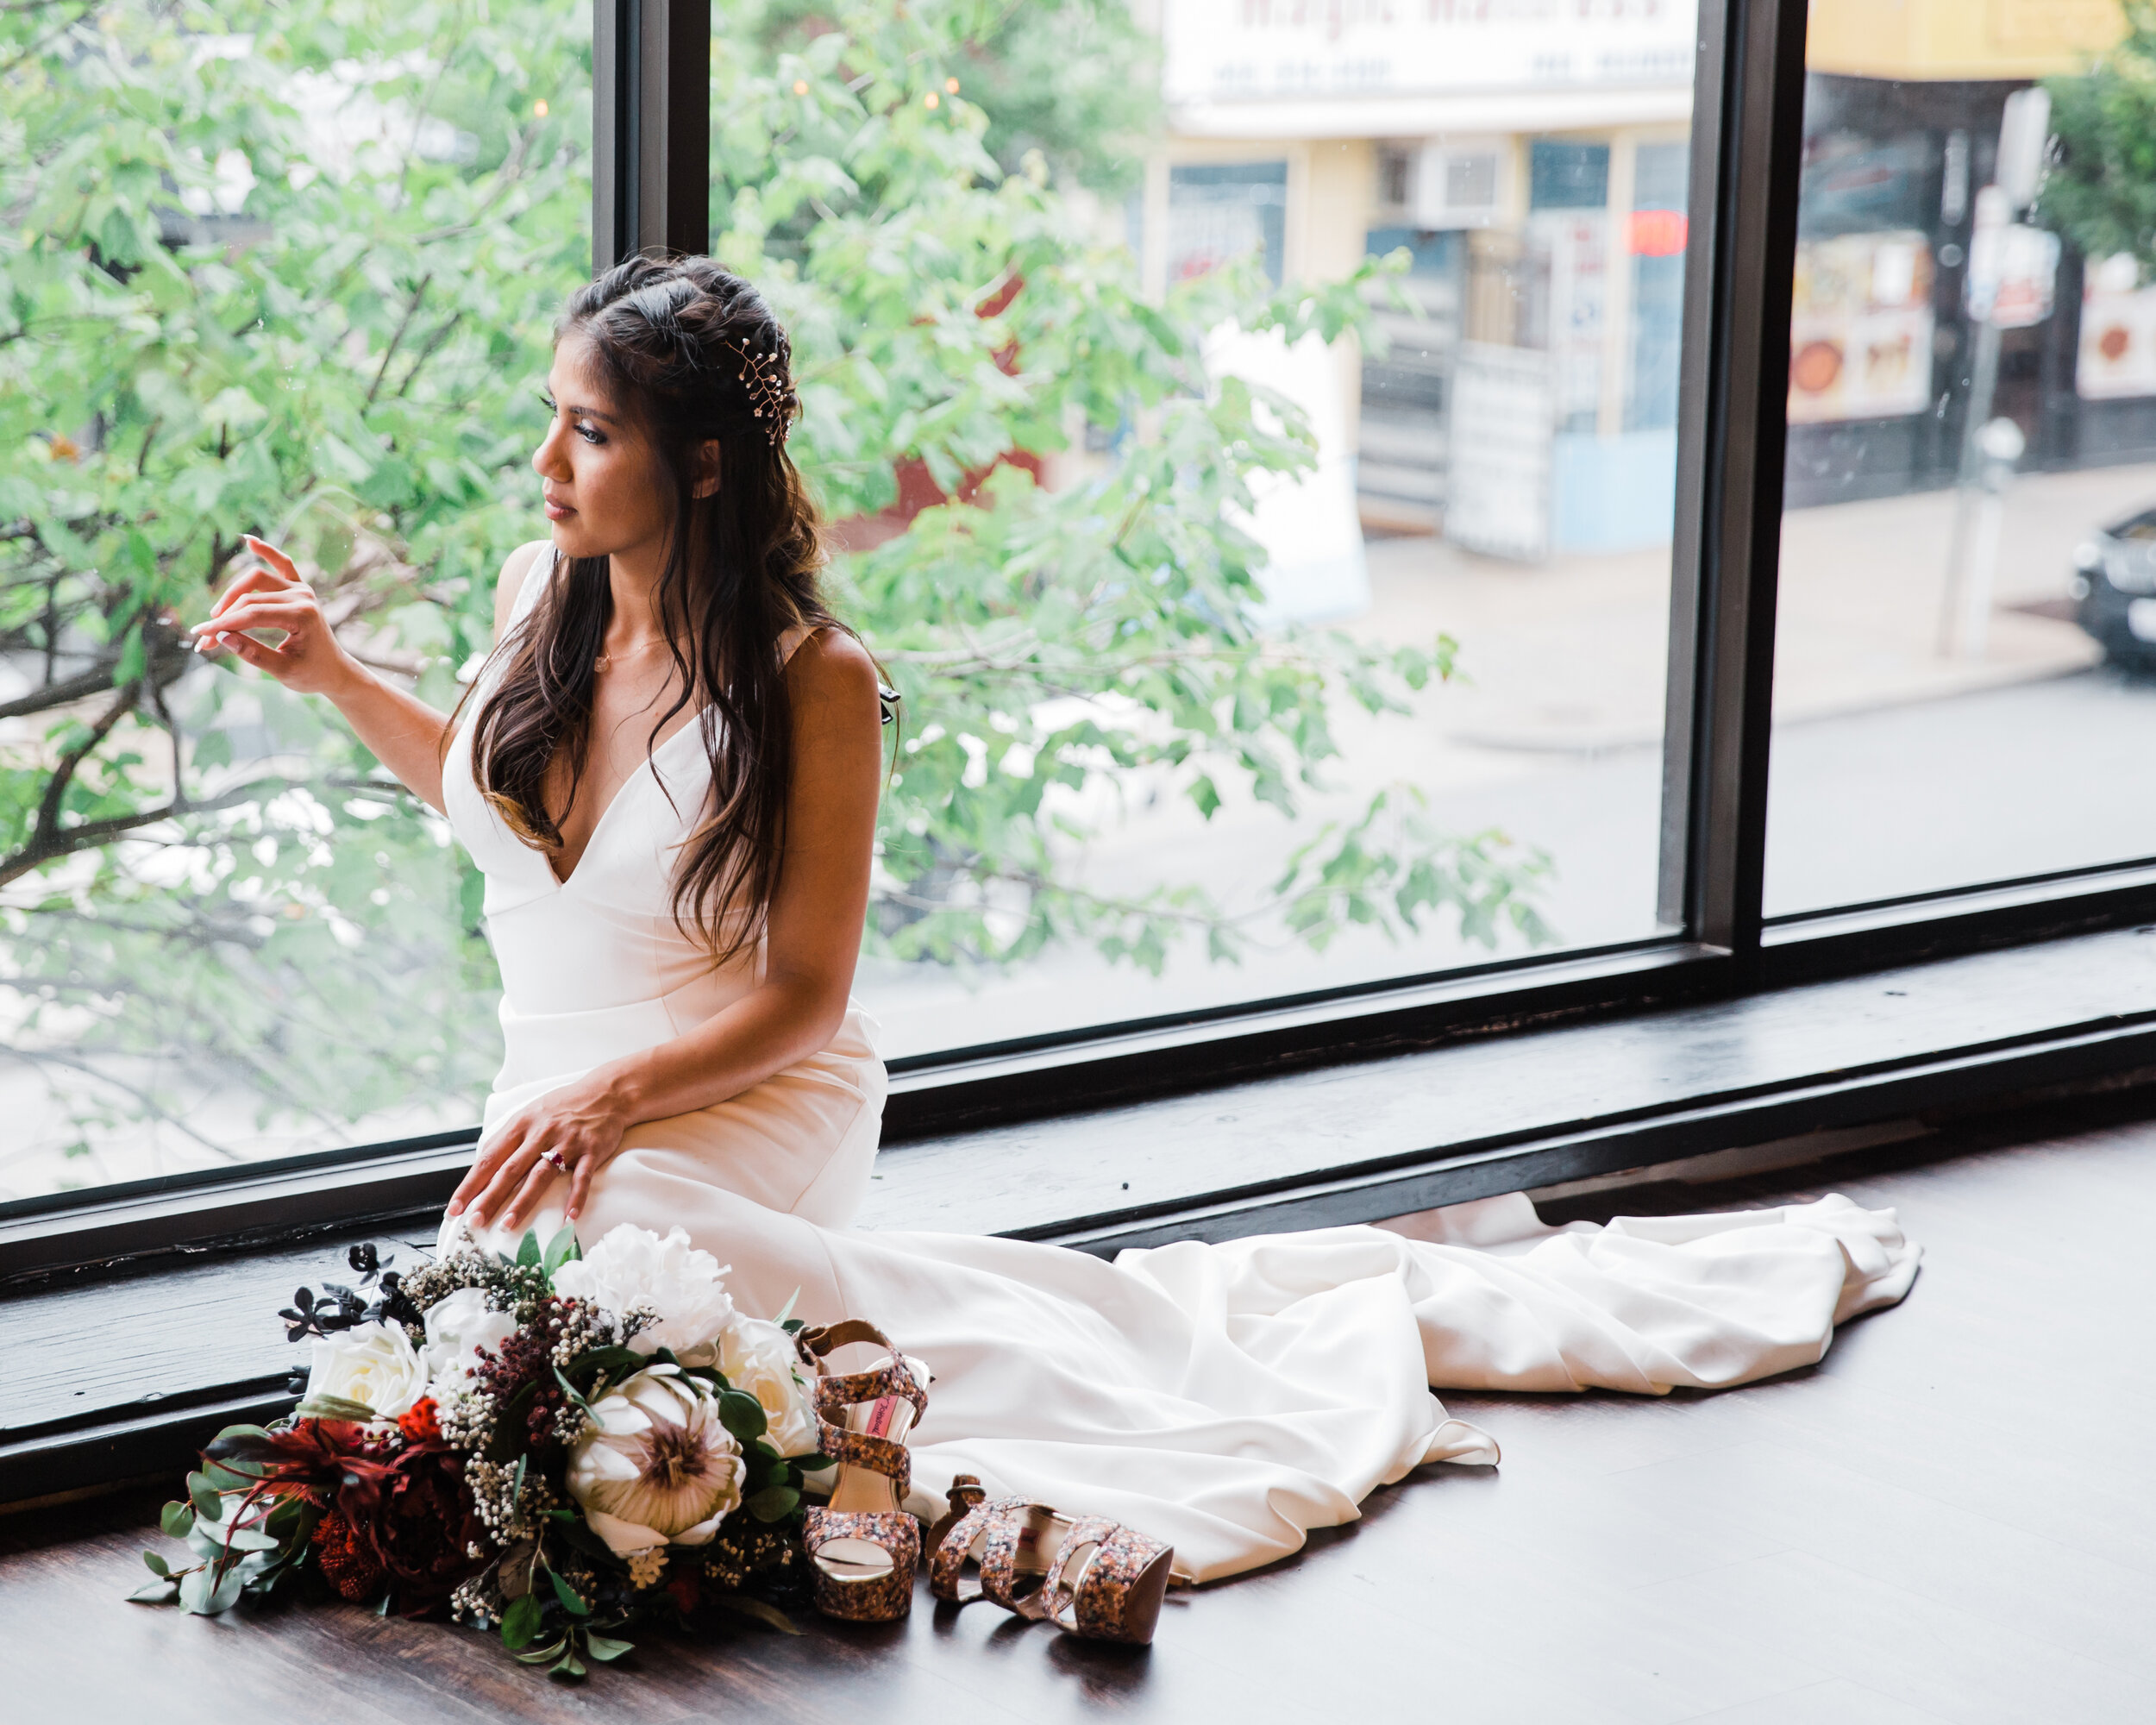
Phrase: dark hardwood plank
x=1947 y=1520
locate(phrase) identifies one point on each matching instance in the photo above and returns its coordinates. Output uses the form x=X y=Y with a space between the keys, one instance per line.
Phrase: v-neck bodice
x=595 y=966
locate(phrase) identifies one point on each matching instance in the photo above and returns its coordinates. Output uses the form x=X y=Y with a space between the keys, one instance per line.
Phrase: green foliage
x=2101 y=190
x=212 y=891
x=211 y=887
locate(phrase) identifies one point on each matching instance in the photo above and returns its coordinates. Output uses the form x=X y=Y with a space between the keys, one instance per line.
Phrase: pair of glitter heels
x=1086 y=1574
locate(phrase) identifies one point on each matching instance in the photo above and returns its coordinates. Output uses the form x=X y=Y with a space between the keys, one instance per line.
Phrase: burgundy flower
x=412 y=1514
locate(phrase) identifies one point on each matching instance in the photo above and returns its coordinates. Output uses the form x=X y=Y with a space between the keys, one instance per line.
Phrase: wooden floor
x=1953 y=1518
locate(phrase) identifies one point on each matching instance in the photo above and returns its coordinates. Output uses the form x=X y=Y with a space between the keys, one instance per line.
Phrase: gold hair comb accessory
x=769 y=392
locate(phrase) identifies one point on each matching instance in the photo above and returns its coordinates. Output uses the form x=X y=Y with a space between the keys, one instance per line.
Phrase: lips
x=558 y=512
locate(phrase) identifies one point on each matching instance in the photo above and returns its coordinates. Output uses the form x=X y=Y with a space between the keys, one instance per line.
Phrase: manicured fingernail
x=456 y=1208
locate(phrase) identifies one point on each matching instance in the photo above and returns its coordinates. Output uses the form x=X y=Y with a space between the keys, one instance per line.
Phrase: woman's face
x=605 y=486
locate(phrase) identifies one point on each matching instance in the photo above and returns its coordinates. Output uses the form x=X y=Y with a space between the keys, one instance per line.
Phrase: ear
x=706 y=468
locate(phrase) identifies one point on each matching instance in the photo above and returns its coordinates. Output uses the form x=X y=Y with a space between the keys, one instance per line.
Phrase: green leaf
x=155 y=1593
x=773 y=1503
x=741 y=1414
x=568 y=1667
x=539 y=1656
x=812 y=1464
x=156 y=1565
x=334 y=1408
x=567 y=1595
x=604 y=1647
x=176 y=1521
x=520 y=1622
x=529 y=1255
x=562 y=1249
x=208 y=1501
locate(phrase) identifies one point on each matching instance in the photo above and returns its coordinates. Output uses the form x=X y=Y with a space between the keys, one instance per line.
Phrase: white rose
x=657 y=1467
x=758 y=1357
x=458 y=1326
x=632 y=1269
x=373 y=1365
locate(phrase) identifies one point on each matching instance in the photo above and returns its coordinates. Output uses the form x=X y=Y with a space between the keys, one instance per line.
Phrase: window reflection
x=1959 y=688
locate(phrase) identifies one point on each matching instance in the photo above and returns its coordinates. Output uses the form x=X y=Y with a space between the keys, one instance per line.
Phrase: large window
x=288 y=269
x=1302 y=468
x=1195 y=716
x=1962 y=681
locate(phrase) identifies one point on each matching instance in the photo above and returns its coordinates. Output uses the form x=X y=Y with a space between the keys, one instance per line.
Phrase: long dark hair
x=692 y=353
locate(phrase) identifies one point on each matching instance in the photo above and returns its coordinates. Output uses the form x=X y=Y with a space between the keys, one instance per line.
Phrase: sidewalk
x=1568 y=656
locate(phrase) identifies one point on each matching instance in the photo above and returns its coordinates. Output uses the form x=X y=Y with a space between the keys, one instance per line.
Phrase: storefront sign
x=1273 y=50
x=1860 y=328
x=2118 y=332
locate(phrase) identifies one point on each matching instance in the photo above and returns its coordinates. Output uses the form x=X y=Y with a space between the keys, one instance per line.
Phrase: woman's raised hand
x=310 y=660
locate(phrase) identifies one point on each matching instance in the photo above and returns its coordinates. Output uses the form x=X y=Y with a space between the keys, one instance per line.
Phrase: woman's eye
x=590 y=433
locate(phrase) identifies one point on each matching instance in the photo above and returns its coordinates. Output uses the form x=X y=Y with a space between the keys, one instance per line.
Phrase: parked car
x=2115 y=588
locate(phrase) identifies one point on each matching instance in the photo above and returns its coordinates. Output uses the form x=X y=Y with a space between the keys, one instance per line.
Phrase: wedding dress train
x=1226 y=1398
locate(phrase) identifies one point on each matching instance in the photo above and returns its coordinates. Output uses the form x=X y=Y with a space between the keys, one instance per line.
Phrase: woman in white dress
x=668 y=773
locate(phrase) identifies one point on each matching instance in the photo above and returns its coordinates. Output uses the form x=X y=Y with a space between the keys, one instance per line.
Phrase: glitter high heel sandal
x=864 y=1545
x=1083 y=1573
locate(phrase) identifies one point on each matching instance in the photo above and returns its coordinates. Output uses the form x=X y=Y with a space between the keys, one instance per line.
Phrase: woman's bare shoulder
x=516 y=569
x=833 y=669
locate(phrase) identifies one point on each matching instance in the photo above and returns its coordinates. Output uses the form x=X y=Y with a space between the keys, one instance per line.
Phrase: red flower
x=685 y=1593
x=419 y=1424
x=346 y=1562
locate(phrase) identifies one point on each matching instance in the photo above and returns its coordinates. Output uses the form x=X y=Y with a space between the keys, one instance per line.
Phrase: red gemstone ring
x=553 y=1159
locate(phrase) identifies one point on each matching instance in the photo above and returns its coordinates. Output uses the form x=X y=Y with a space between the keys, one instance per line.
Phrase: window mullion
x=1747 y=142
x=651 y=128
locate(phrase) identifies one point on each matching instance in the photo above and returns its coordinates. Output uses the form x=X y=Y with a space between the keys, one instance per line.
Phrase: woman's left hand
x=574 y=1130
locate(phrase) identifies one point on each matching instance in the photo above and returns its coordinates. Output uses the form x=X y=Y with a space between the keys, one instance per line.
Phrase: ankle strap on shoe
x=813 y=1344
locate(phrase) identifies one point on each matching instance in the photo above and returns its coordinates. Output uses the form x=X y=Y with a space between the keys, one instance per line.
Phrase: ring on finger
x=554 y=1160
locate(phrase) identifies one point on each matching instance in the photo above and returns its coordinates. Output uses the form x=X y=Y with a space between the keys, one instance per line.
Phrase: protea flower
x=657 y=1467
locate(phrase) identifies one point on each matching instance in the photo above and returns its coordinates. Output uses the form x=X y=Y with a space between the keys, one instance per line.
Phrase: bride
x=667 y=771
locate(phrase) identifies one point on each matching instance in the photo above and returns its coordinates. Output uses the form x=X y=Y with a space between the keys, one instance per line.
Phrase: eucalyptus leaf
x=155 y=1593
x=520 y=1622
x=567 y=1595
x=529 y=1255
x=539 y=1656
x=208 y=1501
x=773 y=1503
x=176 y=1521
x=156 y=1565
x=324 y=1407
x=569 y=1666
x=604 y=1647
x=741 y=1414
x=561 y=1248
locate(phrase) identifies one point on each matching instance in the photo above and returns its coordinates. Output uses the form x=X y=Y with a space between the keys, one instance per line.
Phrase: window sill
x=188 y=1343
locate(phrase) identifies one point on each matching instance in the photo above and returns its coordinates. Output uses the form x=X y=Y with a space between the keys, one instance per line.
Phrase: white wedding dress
x=1224 y=1398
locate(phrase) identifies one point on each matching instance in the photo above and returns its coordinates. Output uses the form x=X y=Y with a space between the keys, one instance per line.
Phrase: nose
x=550 y=460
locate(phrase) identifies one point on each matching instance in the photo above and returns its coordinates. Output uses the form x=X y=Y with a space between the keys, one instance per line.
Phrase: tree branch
x=396 y=341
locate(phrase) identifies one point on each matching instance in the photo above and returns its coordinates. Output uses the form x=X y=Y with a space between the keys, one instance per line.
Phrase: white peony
x=373 y=1365
x=656 y=1468
x=758 y=1357
x=458 y=1326
x=633 y=1270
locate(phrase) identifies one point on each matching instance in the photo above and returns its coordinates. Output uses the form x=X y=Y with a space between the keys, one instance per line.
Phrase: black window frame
x=651 y=190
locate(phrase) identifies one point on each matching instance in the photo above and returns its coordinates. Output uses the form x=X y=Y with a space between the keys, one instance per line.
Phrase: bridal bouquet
x=554 y=1446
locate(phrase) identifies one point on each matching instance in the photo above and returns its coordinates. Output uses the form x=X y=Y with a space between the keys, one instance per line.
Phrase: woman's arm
x=404 y=733
x=814 y=938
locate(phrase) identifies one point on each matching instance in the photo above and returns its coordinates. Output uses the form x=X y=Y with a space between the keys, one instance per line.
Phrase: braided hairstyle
x=692 y=353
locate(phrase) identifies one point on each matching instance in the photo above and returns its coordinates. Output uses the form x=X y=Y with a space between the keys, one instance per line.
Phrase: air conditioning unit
x=1463 y=182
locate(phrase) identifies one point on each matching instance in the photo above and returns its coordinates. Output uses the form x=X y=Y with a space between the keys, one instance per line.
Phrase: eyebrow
x=587 y=413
